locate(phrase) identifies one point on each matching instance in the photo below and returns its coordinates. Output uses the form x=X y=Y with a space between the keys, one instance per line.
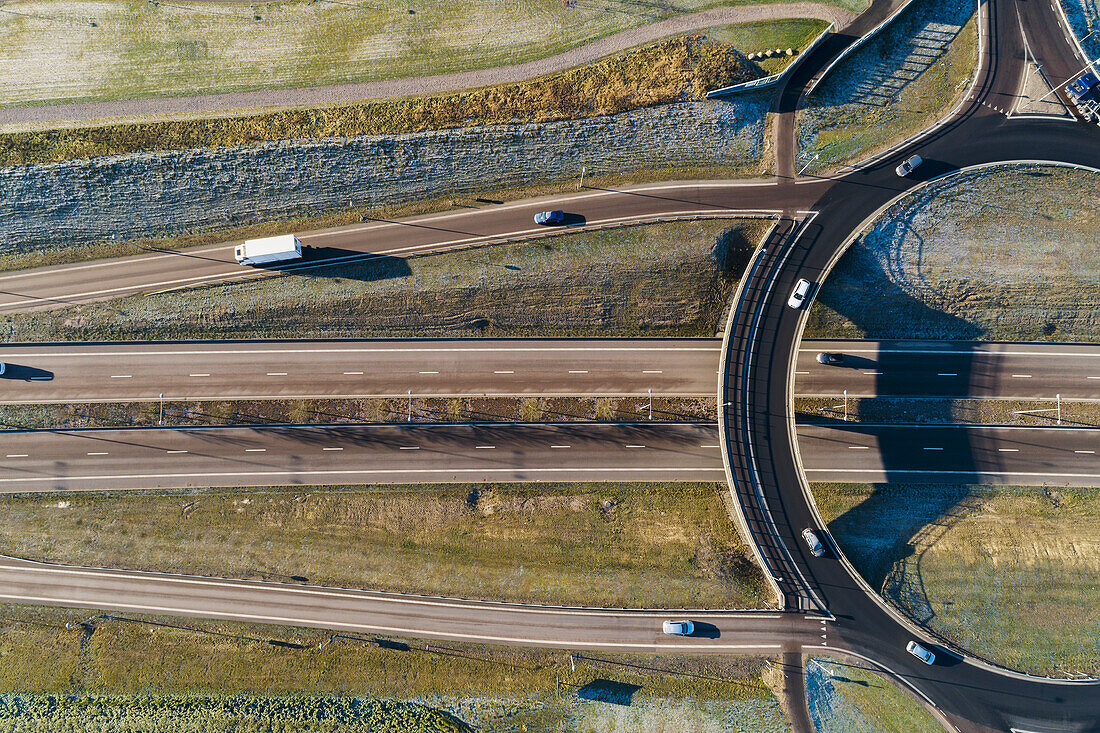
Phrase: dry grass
x=606 y=545
x=848 y=698
x=669 y=71
x=1009 y=574
x=661 y=279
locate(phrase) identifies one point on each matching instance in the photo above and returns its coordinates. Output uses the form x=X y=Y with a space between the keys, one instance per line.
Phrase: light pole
x=582 y=179
x=161 y=420
x=410 y=418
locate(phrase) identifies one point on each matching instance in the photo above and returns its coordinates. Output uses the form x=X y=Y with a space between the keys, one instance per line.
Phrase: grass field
x=765 y=35
x=111 y=49
x=626 y=545
x=661 y=279
x=1003 y=253
x=903 y=80
x=149 y=674
x=927 y=411
x=846 y=698
x=1011 y=575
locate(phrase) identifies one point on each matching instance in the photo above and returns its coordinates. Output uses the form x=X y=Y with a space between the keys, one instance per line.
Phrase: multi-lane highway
x=209 y=370
x=392 y=614
x=145 y=458
x=226 y=370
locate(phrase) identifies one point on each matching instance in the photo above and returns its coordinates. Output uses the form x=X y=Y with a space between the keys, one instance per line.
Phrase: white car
x=920 y=652
x=813 y=542
x=798 y=297
x=908 y=166
x=678 y=628
x=3 y=367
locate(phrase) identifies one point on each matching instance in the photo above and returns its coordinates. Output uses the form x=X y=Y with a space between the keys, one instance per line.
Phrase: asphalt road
x=63 y=285
x=143 y=458
x=950 y=369
x=227 y=370
x=221 y=370
x=391 y=614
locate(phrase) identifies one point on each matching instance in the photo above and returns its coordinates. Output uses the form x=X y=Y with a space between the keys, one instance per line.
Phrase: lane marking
x=332 y=449
x=561 y=446
x=276 y=374
x=1092 y=377
x=122 y=376
x=18 y=455
x=255 y=450
x=653 y=371
x=198 y=375
x=932 y=448
x=801 y=372
x=1076 y=451
x=1021 y=376
x=873 y=374
x=429 y=372
x=710 y=446
x=859 y=447
x=99 y=453
x=175 y=451
x=947 y=374
x=635 y=446
x=504 y=371
x=578 y=371
x=484 y=447
x=409 y=447
x=352 y=373
x=1008 y=450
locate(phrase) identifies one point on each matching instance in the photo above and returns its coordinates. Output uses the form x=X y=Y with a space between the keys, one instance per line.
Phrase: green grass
x=764 y=35
x=1011 y=575
x=653 y=280
x=846 y=698
x=1001 y=253
x=52 y=52
x=672 y=70
x=899 y=83
x=625 y=545
x=157 y=673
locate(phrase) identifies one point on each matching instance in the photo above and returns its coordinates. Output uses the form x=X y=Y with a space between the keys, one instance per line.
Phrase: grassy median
x=1010 y=574
x=670 y=279
x=930 y=411
x=626 y=545
x=141 y=673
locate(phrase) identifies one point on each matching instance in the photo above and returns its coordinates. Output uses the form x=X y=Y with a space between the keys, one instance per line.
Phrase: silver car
x=920 y=652
x=813 y=542
x=798 y=297
x=909 y=166
x=678 y=628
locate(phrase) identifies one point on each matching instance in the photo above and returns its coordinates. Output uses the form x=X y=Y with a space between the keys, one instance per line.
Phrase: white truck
x=283 y=248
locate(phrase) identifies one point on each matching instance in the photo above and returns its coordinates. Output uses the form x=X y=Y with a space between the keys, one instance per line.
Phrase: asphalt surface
x=328 y=252
x=221 y=370
x=392 y=614
x=155 y=458
x=950 y=369
x=758 y=431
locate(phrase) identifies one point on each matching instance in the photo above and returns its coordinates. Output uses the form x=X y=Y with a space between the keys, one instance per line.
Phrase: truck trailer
x=266 y=251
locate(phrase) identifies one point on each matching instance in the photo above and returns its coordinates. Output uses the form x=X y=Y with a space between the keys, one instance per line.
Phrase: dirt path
x=65 y=115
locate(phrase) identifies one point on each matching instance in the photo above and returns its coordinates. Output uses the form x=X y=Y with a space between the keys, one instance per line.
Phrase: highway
x=230 y=370
x=391 y=614
x=155 y=458
x=318 y=369
x=64 y=285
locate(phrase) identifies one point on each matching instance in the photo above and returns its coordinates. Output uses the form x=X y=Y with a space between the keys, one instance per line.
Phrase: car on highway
x=813 y=542
x=549 y=218
x=921 y=652
x=798 y=297
x=3 y=367
x=909 y=166
x=830 y=358
x=678 y=628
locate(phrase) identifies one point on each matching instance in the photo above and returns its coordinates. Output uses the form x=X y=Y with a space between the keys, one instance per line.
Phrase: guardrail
x=774 y=78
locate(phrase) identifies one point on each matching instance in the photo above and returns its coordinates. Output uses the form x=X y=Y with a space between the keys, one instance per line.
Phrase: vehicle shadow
x=703 y=630
x=26 y=373
x=336 y=262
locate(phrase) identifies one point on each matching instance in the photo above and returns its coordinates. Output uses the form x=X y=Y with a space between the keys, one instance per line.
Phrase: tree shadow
x=609 y=691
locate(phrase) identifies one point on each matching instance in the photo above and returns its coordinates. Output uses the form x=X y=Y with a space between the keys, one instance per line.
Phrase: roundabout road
x=762 y=346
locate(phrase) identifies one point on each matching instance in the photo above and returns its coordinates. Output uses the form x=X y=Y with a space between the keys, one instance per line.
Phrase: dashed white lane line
x=276 y=374
x=796 y=372
x=255 y=450
x=709 y=446
x=933 y=449
x=561 y=446
x=947 y=374
x=1076 y=451
x=409 y=447
x=175 y=451
x=859 y=447
x=1008 y=450
x=429 y=372
x=578 y=371
x=653 y=371
x=1092 y=377
x=353 y=373
x=484 y=447
x=1021 y=376
x=504 y=371
x=635 y=446
x=122 y=376
x=332 y=449
x=99 y=453
x=17 y=455
x=873 y=374
x=199 y=375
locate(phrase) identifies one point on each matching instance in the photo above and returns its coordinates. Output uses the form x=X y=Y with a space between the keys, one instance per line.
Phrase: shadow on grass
x=609 y=691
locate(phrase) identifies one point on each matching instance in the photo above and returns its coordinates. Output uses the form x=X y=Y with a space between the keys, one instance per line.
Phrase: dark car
x=831 y=359
x=549 y=217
